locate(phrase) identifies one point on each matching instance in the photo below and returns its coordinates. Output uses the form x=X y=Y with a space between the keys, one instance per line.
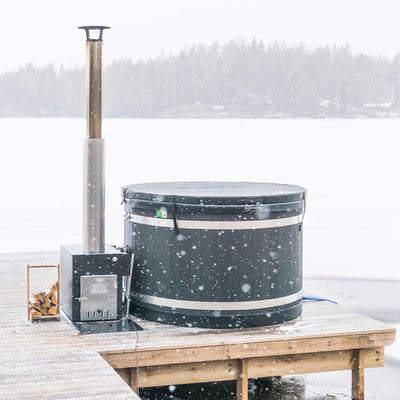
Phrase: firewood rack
x=57 y=293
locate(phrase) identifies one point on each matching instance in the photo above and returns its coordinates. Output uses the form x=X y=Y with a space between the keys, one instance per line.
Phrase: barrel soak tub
x=215 y=254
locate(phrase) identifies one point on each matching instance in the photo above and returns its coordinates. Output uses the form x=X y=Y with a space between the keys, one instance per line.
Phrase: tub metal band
x=216 y=305
x=216 y=225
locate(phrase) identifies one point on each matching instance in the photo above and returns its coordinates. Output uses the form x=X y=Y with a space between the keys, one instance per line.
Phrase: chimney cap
x=94 y=30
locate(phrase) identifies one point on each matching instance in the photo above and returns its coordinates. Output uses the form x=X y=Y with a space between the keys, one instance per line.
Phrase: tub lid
x=214 y=192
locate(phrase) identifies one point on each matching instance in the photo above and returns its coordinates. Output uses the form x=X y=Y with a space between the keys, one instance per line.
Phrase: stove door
x=98 y=297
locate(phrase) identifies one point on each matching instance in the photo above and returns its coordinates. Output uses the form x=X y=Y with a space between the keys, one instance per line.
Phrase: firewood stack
x=44 y=304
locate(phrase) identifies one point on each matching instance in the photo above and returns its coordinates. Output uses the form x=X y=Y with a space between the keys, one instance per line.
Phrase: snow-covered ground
x=394 y=349
x=349 y=167
x=378 y=299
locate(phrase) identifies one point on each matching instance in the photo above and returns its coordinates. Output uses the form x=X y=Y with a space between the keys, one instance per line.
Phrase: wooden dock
x=52 y=360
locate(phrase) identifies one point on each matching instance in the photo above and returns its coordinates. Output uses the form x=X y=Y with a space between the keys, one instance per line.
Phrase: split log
x=39 y=297
x=42 y=296
x=34 y=305
x=52 y=310
x=53 y=299
x=34 y=314
x=44 y=310
x=54 y=287
x=46 y=303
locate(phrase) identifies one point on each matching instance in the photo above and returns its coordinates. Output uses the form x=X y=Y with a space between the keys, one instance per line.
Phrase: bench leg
x=134 y=380
x=242 y=384
x=357 y=376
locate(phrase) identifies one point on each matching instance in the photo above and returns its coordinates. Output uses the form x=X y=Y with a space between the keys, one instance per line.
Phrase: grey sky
x=45 y=31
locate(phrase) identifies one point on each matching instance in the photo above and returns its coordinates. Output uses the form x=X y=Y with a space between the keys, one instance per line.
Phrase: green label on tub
x=161 y=213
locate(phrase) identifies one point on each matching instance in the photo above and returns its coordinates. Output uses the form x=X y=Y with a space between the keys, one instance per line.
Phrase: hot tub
x=215 y=254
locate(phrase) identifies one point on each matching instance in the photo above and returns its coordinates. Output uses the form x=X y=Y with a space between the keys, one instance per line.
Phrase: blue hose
x=317 y=299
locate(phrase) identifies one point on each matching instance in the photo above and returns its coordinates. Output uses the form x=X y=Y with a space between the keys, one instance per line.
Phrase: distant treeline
x=237 y=79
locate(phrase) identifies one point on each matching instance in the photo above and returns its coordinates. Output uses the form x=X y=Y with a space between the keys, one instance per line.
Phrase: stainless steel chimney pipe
x=93 y=174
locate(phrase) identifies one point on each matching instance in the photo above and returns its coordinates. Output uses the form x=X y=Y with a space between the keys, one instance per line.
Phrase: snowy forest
x=237 y=79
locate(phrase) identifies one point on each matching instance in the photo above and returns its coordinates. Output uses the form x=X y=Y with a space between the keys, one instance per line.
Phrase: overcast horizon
x=46 y=32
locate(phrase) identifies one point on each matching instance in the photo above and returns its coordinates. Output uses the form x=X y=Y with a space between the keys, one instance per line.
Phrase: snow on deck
x=51 y=359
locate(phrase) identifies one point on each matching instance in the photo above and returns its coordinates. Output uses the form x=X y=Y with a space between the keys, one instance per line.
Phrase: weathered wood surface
x=79 y=371
x=357 y=375
x=256 y=367
x=48 y=359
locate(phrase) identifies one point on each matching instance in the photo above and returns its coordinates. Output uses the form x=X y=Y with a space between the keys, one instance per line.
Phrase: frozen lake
x=349 y=167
